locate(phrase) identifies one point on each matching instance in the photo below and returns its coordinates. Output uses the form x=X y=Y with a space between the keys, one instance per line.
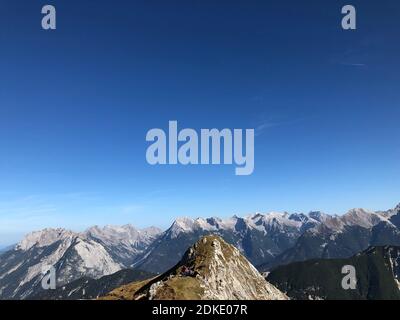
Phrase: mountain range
x=266 y=240
x=273 y=239
x=95 y=253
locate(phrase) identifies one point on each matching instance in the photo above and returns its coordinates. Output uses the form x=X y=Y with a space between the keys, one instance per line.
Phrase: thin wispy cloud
x=268 y=124
x=357 y=56
x=353 y=64
x=264 y=126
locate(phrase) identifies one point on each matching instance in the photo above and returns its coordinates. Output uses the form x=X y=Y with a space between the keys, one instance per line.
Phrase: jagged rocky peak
x=188 y=225
x=44 y=238
x=280 y=221
x=300 y=217
x=94 y=253
x=114 y=230
x=361 y=217
x=125 y=233
x=210 y=270
x=280 y=218
x=180 y=225
x=224 y=273
x=259 y=221
x=394 y=211
x=154 y=231
x=317 y=215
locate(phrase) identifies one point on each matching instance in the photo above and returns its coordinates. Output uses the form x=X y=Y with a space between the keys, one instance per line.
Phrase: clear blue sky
x=76 y=104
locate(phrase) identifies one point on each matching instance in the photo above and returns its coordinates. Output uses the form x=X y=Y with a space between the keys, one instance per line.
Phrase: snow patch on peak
x=187 y=225
x=181 y=225
x=273 y=220
x=207 y=225
x=265 y=223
